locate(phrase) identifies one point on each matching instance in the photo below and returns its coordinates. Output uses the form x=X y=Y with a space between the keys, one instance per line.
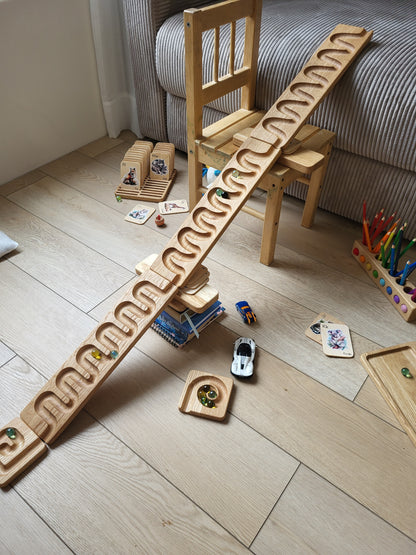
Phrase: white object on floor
x=6 y=244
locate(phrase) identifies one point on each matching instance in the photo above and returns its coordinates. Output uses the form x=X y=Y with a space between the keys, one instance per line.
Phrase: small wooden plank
x=237 y=117
x=384 y=366
x=305 y=133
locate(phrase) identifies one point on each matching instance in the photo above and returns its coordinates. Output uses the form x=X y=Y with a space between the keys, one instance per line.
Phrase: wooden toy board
x=397 y=294
x=190 y=403
x=384 y=367
x=152 y=190
x=64 y=395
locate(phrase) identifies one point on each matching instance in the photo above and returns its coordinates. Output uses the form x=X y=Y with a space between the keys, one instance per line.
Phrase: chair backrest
x=198 y=93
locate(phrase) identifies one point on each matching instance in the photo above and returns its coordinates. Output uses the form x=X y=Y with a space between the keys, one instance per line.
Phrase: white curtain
x=114 y=67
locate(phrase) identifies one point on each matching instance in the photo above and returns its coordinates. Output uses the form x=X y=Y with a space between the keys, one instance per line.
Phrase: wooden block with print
x=134 y=167
x=206 y=395
x=162 y=161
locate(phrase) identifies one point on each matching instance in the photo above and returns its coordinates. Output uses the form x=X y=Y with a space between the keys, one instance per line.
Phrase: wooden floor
x=310 y=458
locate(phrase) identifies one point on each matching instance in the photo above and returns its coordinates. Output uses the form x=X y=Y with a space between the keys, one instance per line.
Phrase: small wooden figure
x=159 y=220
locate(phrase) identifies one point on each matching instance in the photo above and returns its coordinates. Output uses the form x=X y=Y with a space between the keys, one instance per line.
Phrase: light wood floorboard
x=309 y=458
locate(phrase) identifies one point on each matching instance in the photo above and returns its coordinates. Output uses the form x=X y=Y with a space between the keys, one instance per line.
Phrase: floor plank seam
x=74 y=238
x=277 y=502
x=159 y=473
x=16 y=489
x=345 y=492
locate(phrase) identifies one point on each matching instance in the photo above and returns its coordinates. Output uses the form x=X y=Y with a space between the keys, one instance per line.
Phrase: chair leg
x=195 y=179
x=271 y=220
x=314 y=189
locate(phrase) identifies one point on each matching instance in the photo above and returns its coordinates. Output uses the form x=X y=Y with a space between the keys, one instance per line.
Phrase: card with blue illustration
x=336 y=340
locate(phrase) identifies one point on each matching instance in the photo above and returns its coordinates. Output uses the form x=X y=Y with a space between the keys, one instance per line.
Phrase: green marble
x=406 y=373
x=11 y=433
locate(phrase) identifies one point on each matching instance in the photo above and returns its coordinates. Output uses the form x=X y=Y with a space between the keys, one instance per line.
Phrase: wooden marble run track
x=25 y=439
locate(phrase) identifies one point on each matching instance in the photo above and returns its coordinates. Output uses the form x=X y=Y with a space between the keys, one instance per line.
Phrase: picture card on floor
x=314 y=330
x=173 y=206
x=336 y=340
x=140 y=214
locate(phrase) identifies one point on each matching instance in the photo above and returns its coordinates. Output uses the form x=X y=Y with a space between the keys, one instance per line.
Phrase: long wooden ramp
x=25 y=439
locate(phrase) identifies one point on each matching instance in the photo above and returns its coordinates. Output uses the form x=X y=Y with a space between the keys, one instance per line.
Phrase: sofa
x=372 y=109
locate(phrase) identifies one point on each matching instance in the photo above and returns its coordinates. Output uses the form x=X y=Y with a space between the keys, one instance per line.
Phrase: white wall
x=49 y=94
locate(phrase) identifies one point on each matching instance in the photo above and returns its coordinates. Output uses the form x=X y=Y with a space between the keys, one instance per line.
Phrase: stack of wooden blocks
x=147 y=172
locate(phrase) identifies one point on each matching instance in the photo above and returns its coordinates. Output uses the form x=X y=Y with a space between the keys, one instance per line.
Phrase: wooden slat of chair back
x=213 y=17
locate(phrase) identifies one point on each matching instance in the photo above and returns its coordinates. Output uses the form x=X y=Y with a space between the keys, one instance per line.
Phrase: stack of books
x=178 y=328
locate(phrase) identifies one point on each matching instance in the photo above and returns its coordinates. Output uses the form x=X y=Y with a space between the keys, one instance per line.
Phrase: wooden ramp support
x=66 y=393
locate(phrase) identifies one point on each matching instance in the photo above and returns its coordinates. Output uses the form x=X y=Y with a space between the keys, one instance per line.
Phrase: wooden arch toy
x=24 y=439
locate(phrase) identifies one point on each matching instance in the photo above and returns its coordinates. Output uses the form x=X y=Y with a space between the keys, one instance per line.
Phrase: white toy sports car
x=244 y=351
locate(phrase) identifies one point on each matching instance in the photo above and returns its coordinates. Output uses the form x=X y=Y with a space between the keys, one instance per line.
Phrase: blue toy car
x=246 y=312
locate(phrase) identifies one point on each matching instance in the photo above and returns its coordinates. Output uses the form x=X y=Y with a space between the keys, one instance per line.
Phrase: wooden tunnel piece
x=206 y=395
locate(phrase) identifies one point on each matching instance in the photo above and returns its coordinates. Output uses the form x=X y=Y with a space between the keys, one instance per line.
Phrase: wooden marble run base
x=397 y=294
x=384 y=367
x=67 y=392
x=190 y=402
x=152 y=190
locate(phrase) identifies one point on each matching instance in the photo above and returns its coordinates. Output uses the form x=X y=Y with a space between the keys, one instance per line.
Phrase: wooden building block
x=162 y=162
x=196 y=294
x=206 y=395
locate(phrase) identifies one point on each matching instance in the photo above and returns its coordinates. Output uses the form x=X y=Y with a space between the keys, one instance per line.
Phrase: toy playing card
x=336 y=340
x=140 y=214
x=314 y=330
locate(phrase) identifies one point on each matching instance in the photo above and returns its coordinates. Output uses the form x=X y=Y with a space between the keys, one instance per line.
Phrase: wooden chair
x=305 y=159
